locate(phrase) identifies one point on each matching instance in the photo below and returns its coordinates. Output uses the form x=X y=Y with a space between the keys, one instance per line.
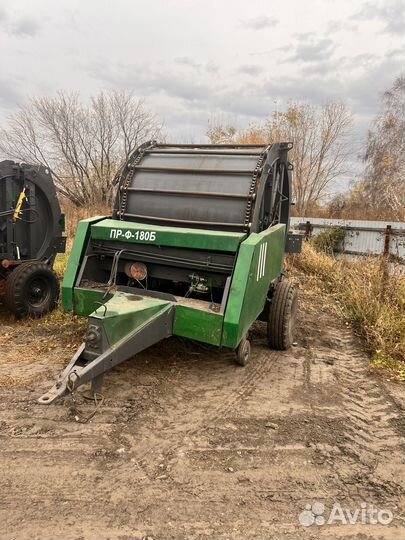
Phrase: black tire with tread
x=17 y=297
x=282 y=315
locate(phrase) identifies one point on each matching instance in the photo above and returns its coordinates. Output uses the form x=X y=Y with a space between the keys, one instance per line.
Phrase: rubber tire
x=242 y=355
x=16 y=295
x=282 y=316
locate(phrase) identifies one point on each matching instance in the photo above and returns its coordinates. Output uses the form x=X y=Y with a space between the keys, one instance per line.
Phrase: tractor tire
x=282 y=316
x=32 y=289
x=242 y=353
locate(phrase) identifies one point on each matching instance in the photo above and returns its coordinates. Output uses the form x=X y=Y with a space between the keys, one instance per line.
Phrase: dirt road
x=189 y=446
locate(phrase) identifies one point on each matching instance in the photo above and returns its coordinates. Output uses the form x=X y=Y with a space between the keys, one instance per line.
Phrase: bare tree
x=83 y=145
x=384 y=182
x=320 y=152
x=221 y=134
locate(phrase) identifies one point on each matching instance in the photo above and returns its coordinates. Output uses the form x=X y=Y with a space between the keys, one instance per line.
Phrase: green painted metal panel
x=198 y=324
x=259 y=262
x=87 y=300
x=122 y=313
x=75 y=260
x=125 y=313
x=141 y=233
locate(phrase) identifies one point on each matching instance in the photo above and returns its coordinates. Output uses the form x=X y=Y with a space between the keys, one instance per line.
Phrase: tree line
x=321 y=150
x=85 y=145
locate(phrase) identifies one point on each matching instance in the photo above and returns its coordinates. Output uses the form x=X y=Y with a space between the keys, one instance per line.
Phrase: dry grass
x=366 y=295
x=60 y=264
x=73 y=215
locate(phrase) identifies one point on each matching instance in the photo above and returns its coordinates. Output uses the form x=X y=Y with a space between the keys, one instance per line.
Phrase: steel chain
x=128 y=179
x=252 y=191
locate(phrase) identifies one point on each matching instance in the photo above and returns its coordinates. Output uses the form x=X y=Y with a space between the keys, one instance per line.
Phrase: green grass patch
x=329 y=240
x=395 y=367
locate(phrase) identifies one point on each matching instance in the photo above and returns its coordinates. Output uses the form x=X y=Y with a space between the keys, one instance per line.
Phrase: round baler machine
x=194 y=248
x=31 y=234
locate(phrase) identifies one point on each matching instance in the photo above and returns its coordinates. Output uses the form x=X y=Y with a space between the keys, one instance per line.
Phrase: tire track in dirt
x=255 y=371
x=370 y=434
x=366 y=404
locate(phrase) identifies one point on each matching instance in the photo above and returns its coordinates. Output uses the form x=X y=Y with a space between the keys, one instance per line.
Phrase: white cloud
x=250 y=69
x=313 y=49
x=15 y=24
x=259 y=23
x=193 y=61
x=25 y=26
x=391 y=13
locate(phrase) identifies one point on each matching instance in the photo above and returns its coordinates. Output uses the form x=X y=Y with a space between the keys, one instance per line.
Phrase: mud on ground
x=188 y=445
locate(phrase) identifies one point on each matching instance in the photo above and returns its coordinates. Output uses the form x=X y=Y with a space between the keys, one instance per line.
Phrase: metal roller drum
x=196 y=186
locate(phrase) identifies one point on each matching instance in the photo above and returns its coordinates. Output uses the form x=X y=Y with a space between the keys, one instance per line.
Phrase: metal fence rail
x=361 y=237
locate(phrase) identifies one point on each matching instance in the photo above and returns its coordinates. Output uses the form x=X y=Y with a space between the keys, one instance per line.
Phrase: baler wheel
x=282 y=316
x=31 y=289
x=243 y=353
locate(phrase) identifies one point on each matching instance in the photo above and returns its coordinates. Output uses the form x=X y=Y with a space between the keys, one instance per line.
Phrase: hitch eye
x=136 y=270
x=93 y=336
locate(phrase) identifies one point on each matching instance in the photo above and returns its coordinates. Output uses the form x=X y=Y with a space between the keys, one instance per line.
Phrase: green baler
x=195 y=249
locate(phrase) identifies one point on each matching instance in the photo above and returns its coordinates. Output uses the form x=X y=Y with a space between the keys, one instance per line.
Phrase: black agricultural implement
x=31 y=234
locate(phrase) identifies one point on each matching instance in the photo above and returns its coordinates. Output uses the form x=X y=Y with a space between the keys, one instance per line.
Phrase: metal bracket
x=86 y=366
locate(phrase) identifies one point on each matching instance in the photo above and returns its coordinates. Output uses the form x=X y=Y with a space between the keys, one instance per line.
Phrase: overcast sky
x=230 y=60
